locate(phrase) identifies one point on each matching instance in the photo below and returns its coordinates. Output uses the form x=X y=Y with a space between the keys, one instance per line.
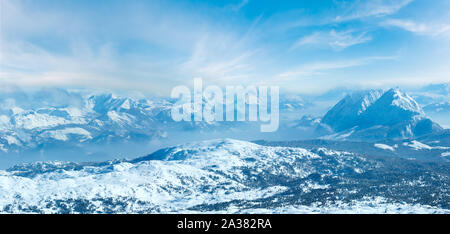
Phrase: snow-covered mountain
x=229 y=176
x=374 y=115
x=60 y=117
x=347 y=112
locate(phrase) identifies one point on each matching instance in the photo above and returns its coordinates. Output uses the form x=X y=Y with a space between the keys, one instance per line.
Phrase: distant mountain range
x=76 y=119
x=79 y=119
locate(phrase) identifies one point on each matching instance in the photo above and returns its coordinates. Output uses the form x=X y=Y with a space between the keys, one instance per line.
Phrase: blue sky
x=150 y=46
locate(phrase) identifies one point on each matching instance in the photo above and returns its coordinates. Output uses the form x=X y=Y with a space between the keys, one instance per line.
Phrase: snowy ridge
x=404 y=101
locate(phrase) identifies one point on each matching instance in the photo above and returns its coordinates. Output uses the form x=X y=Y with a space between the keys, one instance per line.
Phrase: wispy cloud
x=407 y=25
x=221 y=59
x=333 y=39
x=370 y=8
x=321 y=68
x=429 y=29
x=29 y=65
x=237 y=7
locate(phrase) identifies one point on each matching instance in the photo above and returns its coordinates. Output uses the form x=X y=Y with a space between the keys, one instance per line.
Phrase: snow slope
x=224 y=176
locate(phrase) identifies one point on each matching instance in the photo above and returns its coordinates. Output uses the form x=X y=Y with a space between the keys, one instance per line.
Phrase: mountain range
x=102 y=118
x=74 y=119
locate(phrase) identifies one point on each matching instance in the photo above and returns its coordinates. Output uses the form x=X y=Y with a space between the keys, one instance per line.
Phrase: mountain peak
x=402 y=100
x=372 y=114
x=345 y=113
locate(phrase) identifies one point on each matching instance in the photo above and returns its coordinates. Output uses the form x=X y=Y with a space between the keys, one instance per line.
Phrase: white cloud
x=370 y=8
x=222 y=59
x=321 y=68
x=407 y=25
x=237 y=7
x=429 y=29
x=333 y=39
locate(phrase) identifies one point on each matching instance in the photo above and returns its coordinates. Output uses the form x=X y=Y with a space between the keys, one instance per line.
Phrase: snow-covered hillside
x=226 y=176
